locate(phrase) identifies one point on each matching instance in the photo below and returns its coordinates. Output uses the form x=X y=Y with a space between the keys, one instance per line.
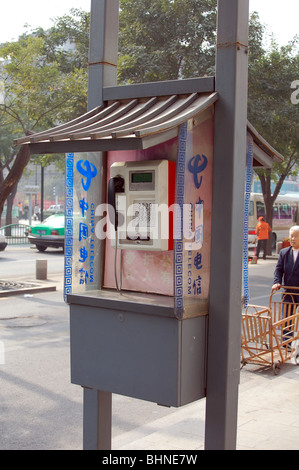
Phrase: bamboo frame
x=270 y=335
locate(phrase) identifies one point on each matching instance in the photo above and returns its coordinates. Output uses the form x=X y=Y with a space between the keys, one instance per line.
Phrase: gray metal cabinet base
x=133 y=345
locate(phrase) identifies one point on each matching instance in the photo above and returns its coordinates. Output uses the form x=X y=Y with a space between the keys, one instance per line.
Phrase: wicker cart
x=270 y=335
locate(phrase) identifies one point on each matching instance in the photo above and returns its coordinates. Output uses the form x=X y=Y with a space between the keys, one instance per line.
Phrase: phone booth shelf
x=132 y=345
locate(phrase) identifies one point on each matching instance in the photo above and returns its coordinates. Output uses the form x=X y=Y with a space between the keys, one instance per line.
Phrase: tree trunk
x=14 y=175
x=9 y=206
x=269 y=199
x=265 y=179
x=269 y=218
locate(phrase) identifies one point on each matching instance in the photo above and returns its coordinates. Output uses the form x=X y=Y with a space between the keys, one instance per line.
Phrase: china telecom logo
x=196 y=166
x=88 y=171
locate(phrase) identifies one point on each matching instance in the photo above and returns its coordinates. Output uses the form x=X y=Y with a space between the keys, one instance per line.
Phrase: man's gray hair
x=295 y=228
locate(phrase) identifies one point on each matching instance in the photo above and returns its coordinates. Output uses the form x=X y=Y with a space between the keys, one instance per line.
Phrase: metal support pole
x=30 y=209
x=97 y=416
x=42 y=194
x=224 y=338
x=103 y=49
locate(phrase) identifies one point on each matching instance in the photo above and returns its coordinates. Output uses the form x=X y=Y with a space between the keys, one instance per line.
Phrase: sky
x=280 y=17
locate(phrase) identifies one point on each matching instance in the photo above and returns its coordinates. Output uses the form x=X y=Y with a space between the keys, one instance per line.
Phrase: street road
x=261 y=281
x=39 y=407
x=18 y=261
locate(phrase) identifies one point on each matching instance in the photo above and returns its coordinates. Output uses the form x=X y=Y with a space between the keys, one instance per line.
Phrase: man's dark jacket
x=286 y=272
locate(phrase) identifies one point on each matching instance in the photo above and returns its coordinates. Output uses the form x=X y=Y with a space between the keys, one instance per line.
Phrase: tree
x=271 y=111
x=43 y=86
x=46 y=83
x=166 y=39
x=6 y=160
x=67 y=41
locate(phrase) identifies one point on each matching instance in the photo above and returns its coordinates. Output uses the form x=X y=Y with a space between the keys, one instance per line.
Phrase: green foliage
x=67 y=41
x=271 y=111
x=38 y=92
x=166 y=39
x=44 y=82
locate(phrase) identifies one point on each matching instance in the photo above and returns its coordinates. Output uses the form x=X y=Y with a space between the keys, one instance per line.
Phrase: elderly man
x=287 y=268
x=287 y=274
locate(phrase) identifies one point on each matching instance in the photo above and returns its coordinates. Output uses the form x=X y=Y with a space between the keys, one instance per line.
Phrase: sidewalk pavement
x=268 y=414
x=268 y=417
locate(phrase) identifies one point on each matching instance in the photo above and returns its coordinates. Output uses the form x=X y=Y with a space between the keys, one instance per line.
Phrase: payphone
x=142 y=333
x=140 y=204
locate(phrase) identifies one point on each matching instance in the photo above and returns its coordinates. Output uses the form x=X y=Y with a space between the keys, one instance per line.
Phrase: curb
x=10 y=288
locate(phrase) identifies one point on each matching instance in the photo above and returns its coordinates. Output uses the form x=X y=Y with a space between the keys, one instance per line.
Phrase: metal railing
x=15 y=234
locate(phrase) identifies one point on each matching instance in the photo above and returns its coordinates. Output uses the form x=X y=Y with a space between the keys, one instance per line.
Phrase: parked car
x=54 y=209
x=3 y=243
x=49 y=233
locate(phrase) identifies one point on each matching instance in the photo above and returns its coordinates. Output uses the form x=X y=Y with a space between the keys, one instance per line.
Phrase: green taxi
x=49 y=233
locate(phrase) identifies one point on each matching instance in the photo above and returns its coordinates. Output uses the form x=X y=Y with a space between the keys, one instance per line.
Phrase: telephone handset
x=115 y=185
x=139 y=197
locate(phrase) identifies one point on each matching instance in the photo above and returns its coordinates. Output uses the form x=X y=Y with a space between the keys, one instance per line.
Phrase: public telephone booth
x=139 y=292
x=142 y=172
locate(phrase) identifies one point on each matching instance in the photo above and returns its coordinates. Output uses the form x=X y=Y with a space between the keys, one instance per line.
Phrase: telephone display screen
x=142 y=177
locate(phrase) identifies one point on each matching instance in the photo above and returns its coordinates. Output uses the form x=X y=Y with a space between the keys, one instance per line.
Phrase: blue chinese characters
x=86 y=227
x=196 y=167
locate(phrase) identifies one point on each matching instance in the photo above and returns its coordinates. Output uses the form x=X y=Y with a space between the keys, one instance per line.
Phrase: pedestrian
x=287 y=274
x=20 y=209
x=262 y=231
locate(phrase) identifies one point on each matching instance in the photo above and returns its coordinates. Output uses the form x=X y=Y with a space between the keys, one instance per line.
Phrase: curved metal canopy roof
x=138 y=117
x=122 y=124
x=264 y=154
